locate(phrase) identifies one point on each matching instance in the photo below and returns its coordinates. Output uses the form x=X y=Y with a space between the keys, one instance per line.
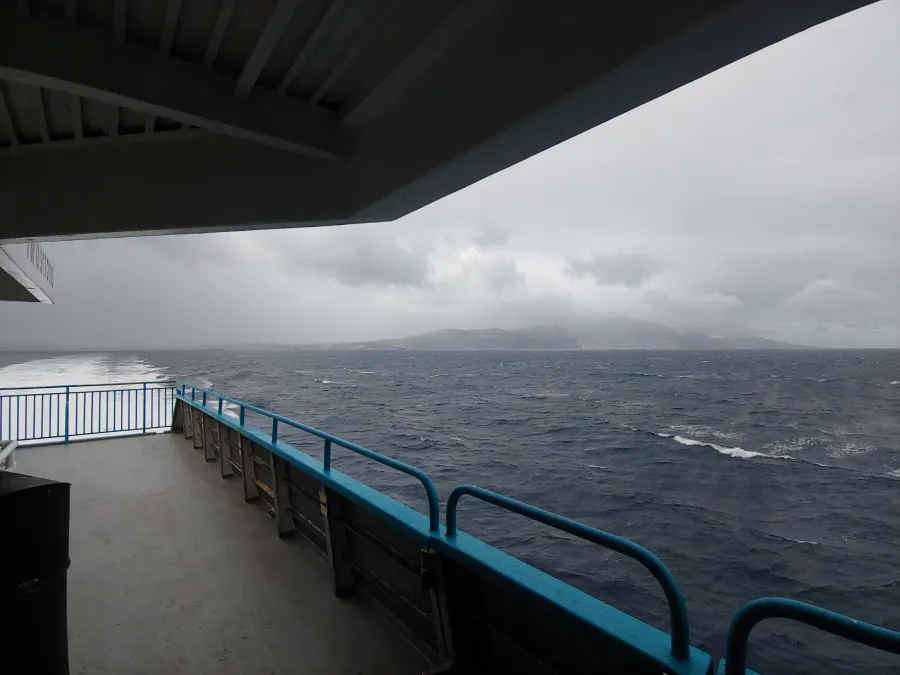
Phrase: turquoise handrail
x=434 y=509
x=677 y=609
x=783 y=608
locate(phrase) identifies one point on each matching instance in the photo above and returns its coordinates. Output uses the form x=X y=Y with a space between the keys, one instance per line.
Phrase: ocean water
x=748 y=473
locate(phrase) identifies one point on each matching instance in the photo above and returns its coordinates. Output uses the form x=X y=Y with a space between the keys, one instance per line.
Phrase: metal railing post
x=144 y=411
x=242 y=415
x=274 y=432
x=327 y=456
x=66 y=432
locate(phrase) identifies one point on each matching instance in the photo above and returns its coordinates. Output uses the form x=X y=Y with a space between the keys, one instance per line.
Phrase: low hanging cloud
x=629 y=269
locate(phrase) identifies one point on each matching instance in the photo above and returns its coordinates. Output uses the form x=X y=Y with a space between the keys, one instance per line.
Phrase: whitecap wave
x=704 y=431
x=596 y=466
x=723 y=449
x=893 y=473
x=797 y=541
x=739 y=453
x=850 y=450
x=895 y=383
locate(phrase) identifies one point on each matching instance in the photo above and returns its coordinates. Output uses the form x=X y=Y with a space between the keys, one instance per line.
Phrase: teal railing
x=61 y=413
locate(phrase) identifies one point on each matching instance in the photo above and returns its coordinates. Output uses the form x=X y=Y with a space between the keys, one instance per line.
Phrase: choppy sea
x=748 y=473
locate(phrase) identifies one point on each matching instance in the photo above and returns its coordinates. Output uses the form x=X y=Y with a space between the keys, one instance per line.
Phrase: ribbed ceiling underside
x=328 y=53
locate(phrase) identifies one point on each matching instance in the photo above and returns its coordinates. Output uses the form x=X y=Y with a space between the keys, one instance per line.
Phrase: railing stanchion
x=220 y=406
x=242 y=415
x=193 y=393
x=327 y=455
x=144 y=410
x=274 y=432
x=66 y=433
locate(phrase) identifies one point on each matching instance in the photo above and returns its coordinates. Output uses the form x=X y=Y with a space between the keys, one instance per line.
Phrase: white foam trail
x=895 y=383
x=596 y=466
x=893 y=473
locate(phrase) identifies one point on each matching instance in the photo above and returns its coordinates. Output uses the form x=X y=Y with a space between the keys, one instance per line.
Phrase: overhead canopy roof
x=161 y=116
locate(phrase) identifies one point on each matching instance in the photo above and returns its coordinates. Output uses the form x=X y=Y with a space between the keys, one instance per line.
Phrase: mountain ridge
x=616 y=334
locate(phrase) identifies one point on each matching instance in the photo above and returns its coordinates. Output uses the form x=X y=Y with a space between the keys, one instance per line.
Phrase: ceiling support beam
x=169 y=24
x=43 y=130
x=169 y=182
x=6 y=121
x=460 y=19
x=370 y=34
x=218 y=32
x=55 y=55
x=268 y=40
x=311 y=44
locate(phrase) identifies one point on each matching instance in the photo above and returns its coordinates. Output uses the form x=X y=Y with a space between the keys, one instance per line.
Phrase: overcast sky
x=763 y=199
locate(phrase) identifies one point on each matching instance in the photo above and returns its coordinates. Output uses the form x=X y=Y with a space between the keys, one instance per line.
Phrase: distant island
x=614 y=334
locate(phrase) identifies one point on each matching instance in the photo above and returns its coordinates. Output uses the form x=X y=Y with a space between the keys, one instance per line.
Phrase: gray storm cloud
x=761 y=199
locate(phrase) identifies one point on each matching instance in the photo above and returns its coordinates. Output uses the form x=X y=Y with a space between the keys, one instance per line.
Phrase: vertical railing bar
x=274 y=431
x=327 y=455
x=33 y=406
x=66 y=422
x=242 y=415
x=144 y=408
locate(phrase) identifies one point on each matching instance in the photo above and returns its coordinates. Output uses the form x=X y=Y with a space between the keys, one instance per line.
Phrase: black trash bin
x=34 y=557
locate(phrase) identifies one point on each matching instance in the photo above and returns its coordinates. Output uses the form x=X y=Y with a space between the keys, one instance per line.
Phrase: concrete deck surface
x=173 y=573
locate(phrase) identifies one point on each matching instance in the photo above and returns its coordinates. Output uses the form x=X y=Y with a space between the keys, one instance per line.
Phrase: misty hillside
x=614 y=334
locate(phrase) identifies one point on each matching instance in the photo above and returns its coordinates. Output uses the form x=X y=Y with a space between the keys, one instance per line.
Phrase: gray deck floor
x=173 y=573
